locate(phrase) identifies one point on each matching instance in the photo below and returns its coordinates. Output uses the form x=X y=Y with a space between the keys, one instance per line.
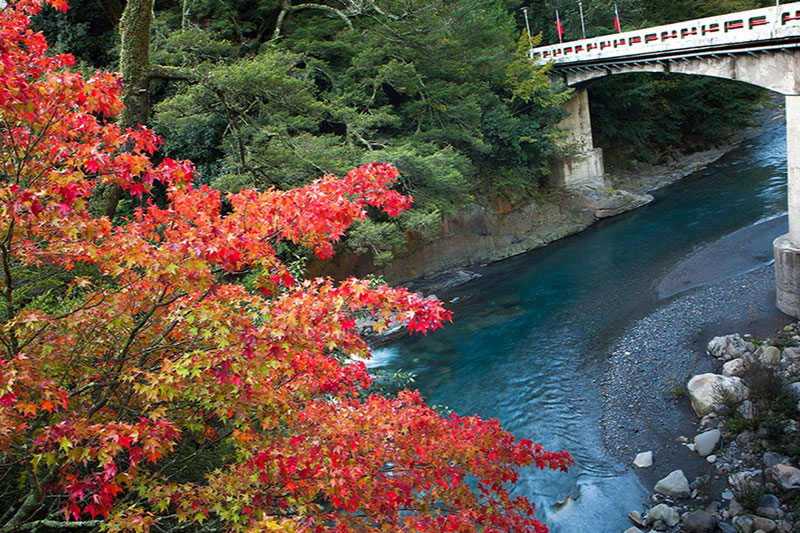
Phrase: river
x=531 y=336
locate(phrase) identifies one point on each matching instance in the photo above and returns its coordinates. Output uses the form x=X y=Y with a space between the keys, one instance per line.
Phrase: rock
x=637 y=518
x=665 y=513
x=659 y=525
x=710 y=418
x=700 y=482
x=792 y=353
x=633 y=530
x=619 y=202
x=786 y=477
x=794 y=388
x=675 y=485
x=769 y=512
x=735 y=508
x=725 y=527
x=766 y=525
x=771 y=355
x=744 y=479
x=744 y=523
x=727 y=495
x=644 y=460
x=711 y=459
x=727 y=347
x=699 y=522
x=747 y=410
x=707 y=390
x=706 y=442
x=769 y=500
x=734 y=367
x=771 y=459
x=745 y=437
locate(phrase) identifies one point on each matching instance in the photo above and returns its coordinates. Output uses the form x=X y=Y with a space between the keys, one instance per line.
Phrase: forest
x=272 y=93
x=167 y=168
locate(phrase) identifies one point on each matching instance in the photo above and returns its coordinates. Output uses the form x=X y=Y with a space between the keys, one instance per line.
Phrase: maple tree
x=142 y=385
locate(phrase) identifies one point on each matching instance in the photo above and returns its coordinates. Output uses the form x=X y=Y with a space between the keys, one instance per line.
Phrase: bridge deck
x=772 y=27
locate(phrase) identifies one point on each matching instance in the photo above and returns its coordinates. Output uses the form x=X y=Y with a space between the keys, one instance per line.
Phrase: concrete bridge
x=760 y=47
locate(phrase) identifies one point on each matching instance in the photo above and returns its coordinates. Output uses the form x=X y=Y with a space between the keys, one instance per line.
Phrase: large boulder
x=706 y=442
x=792 y=353
x=675 y=485
x=771 y=355
x=727 y=347
x=786 y=477
x=708 y=390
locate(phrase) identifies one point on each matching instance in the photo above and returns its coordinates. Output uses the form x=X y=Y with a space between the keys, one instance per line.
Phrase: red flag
x=616 y=19
x=559 y=29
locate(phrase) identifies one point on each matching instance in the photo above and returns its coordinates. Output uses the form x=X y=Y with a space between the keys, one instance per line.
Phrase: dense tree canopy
x=267 y=93
x=142 y=386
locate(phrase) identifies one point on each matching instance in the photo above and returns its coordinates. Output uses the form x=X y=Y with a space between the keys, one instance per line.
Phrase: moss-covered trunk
x=135 y=68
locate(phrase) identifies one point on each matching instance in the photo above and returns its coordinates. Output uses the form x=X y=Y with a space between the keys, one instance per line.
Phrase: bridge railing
x=766 y=24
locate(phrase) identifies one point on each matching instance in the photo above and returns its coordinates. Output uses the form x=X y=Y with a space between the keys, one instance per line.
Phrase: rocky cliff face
x=477 y=234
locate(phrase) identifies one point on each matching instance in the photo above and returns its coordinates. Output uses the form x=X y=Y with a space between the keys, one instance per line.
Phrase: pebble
x=644 y=459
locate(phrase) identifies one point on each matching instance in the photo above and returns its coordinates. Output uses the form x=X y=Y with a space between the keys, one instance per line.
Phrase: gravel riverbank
x=645 y=405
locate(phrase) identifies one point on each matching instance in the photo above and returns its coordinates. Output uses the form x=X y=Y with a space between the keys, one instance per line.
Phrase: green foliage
x=379 y=238
x=442 y=89
x=528 y=81
x=736 y=424
x=650 y=116
x=433 y=86
x=749 y=496
x=83 y=31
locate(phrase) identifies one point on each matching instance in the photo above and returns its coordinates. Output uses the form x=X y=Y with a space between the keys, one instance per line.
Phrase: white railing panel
x=757 y=25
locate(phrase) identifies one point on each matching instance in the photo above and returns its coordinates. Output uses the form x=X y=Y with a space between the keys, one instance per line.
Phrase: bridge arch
x=777 y=70
x=760 y=47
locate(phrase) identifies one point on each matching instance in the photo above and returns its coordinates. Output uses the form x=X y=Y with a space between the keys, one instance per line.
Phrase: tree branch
x=164 y=72
x=287 y=7
x=57 y=524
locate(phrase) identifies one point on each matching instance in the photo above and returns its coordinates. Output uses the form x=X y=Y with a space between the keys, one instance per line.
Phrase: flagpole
x=583 y=27
x=528 y=27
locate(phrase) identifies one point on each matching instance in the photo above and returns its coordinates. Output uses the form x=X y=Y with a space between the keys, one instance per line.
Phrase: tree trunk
x=134 y=65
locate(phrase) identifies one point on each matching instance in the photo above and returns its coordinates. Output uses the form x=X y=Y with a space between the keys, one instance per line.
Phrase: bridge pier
x=584 y=168
x=787 y=247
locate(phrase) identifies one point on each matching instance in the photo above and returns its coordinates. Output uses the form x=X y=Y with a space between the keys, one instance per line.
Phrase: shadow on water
x=530 y=337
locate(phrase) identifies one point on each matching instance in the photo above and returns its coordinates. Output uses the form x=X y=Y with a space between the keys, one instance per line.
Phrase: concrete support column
x=787 y=247
x=585 y=168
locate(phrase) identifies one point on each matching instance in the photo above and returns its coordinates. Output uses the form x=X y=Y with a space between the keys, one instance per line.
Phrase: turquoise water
x=529 y=338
